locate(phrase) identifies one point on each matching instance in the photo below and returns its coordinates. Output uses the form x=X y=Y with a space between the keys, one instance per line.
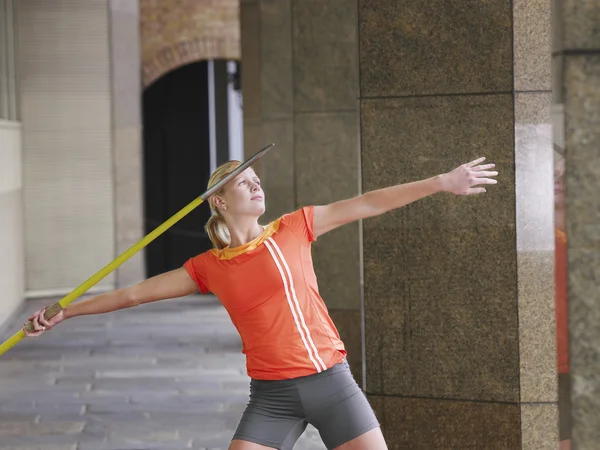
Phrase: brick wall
x=178 y=32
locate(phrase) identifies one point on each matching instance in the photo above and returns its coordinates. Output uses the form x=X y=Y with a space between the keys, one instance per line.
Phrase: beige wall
x=11 y=220
x=65 y=80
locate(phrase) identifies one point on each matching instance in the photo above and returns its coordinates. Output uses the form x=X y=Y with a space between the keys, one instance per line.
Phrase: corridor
x=168 y=375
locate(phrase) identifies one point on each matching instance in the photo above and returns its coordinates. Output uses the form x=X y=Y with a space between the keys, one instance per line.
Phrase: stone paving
x=167 y=375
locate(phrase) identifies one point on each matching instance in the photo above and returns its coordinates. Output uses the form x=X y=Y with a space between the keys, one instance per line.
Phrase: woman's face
x=242 y=196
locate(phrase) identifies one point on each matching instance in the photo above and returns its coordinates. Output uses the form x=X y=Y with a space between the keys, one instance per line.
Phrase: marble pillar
x=250 y=76
x=326 y=150
x=459 y=317
x=300 y=88
x=577 y=89
x=534 y=197
x=126 y=128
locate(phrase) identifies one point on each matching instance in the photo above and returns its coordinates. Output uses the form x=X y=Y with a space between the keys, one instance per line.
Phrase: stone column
x=126 y=126
x=577 y=88
x=250 y=54
x=458 y=290
x=300 y=87
x=326 y=150
x=277 y=105
x=267 y=86
x=534 y=196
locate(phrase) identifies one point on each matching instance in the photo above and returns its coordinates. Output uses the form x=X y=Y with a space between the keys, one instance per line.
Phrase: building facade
x=447 y=306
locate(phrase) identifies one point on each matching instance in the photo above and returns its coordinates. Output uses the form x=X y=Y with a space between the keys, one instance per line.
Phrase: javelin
x=102 y=273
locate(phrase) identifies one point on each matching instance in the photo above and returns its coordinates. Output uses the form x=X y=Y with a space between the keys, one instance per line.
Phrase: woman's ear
x=218 y=202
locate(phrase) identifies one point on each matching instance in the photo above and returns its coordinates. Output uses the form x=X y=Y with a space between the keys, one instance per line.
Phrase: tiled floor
x=167 y=375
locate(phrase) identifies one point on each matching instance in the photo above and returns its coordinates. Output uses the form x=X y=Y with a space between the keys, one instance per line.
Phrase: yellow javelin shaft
x=81 y=289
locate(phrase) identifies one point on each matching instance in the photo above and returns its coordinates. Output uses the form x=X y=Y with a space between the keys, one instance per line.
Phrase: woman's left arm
x=461 y=181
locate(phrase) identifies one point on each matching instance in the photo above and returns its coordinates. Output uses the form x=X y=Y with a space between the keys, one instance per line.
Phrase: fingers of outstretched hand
x=32 y=334
x=477 y=181
x=475 y=162
x=43 y=321
x=485 y=173
x=484 y=167
x=37 y=326
x=472 y=191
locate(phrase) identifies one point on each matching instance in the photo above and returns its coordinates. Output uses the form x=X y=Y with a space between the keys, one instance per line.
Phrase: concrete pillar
x=326 y=149
x=458 y=291
x=250 y=55
x=577 y=99
x=126 y=128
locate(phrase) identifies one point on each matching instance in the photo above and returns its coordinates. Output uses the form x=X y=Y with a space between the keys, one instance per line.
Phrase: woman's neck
x=244 y=231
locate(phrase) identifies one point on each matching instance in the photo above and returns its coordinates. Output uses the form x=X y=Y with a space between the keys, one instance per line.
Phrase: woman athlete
x=264 y=277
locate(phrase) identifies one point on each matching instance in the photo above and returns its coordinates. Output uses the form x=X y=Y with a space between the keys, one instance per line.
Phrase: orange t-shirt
x=269 y=288
x=562 y=310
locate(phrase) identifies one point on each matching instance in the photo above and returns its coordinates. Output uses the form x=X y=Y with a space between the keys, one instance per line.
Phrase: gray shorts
x=331 y=401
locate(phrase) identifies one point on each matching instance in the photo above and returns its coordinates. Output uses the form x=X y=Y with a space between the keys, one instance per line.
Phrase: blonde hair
x=216 y=227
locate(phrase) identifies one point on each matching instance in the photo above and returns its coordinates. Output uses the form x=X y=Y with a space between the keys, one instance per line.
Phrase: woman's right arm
x=176 y=283
x=173 y=284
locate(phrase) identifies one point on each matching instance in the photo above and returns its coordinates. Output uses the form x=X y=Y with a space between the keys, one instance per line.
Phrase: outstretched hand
x=466 y=179
x=40 y=323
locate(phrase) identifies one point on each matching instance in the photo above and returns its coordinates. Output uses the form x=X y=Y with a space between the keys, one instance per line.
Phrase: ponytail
x=217 y=230
x=216 y=227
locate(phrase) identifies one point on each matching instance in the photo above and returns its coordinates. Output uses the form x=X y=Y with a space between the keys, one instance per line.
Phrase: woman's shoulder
x=196 y=267
x=299 y=213
x=301 y=221
x=200 y=259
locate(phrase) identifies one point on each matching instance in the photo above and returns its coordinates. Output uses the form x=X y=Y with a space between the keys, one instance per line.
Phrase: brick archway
x=182 y=53
x=178 y=32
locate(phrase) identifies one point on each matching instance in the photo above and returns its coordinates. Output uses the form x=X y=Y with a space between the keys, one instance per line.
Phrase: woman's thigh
x=338 y=409
x=371 y=440
x=273 y=418
x=245 y=445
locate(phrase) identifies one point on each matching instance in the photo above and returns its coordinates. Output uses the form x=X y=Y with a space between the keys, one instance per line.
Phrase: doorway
x=190 y=125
